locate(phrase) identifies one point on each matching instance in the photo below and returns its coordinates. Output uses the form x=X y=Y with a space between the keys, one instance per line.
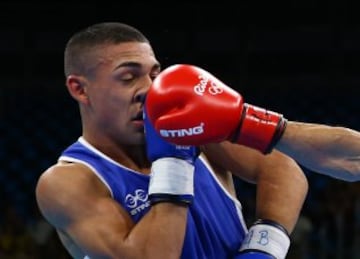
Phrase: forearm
x=170 y=192
x=160 y=234
x=281 y=192
x=334 y=151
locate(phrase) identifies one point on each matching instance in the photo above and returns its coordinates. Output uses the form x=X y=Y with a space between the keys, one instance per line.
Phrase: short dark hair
x=83 y=42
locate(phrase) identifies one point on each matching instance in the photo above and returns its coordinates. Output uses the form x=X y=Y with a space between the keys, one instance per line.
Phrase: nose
x=141 y=93
x=140 y=97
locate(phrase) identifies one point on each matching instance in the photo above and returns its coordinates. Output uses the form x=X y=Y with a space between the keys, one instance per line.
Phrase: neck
x=131 y=156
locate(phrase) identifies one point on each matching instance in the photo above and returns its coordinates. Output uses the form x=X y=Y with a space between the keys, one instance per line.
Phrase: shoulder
x=65 y=175
x=63 y=185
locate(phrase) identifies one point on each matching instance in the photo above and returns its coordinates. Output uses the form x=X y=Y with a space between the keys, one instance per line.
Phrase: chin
x=139 y=138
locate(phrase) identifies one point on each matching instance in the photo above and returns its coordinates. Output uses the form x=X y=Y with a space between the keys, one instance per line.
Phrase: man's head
x=82 y=46
x=109 y=68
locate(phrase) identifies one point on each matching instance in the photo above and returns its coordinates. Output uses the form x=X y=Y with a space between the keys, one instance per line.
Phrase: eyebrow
x=134 y=65
x=128 y=64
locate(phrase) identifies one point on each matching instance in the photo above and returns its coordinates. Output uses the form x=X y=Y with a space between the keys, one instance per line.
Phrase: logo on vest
x=137 y=202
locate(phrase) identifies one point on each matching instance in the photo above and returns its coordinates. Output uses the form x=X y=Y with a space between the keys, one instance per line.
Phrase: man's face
x=121 y=76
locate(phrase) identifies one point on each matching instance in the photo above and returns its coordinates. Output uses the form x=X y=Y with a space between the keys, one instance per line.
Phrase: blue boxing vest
x=215 y=227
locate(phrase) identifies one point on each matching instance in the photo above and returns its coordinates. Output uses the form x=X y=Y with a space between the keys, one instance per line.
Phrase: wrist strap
x=177 y=199
x=171 y=180
x=269 y=237
x=259 y=128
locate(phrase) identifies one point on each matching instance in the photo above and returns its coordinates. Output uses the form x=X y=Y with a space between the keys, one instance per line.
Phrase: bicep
x=99 y=230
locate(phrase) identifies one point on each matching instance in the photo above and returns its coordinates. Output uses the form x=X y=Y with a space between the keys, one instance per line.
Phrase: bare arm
x=79 y=205
x=281 y=184
x=333 y=151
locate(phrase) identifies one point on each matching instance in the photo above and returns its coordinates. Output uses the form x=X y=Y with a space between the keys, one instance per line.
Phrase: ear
x=77 y=87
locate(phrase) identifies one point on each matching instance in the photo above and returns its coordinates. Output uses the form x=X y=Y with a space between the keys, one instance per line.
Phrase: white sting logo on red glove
x=175 y=133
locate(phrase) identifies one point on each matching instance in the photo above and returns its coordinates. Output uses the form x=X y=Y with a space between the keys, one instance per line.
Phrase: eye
x=153 y=75
x=127 y=77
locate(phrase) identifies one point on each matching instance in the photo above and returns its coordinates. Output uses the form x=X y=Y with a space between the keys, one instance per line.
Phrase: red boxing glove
x=189 y=106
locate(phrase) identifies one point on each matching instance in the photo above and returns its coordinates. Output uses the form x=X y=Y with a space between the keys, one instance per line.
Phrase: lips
x=138 y=117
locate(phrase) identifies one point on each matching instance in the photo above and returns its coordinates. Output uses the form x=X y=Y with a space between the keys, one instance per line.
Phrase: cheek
x=113 y=102
x=111 y=115
x=116 y=106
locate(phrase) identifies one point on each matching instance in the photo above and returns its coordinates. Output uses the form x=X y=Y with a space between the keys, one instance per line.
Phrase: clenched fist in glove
x=189 y=106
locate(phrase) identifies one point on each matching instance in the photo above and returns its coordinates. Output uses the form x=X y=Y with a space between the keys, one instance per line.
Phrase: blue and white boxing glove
x=266 y=239
x=172 y=169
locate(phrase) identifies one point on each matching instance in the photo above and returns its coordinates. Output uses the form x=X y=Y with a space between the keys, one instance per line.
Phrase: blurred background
x=300 y=59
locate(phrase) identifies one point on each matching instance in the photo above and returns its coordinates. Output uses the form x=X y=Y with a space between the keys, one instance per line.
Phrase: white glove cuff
x=171 y=176
x=268 y=239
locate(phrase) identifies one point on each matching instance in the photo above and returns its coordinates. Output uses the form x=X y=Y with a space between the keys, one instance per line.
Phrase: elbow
x=290 y=174
x=299 y=177
x=295 y=178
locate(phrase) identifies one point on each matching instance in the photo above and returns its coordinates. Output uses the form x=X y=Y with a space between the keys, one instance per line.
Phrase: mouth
x=138 y=120
x=138 y=117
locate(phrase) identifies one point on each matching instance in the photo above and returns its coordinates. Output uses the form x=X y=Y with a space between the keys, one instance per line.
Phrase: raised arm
x=330 y=150
x=220 y=113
